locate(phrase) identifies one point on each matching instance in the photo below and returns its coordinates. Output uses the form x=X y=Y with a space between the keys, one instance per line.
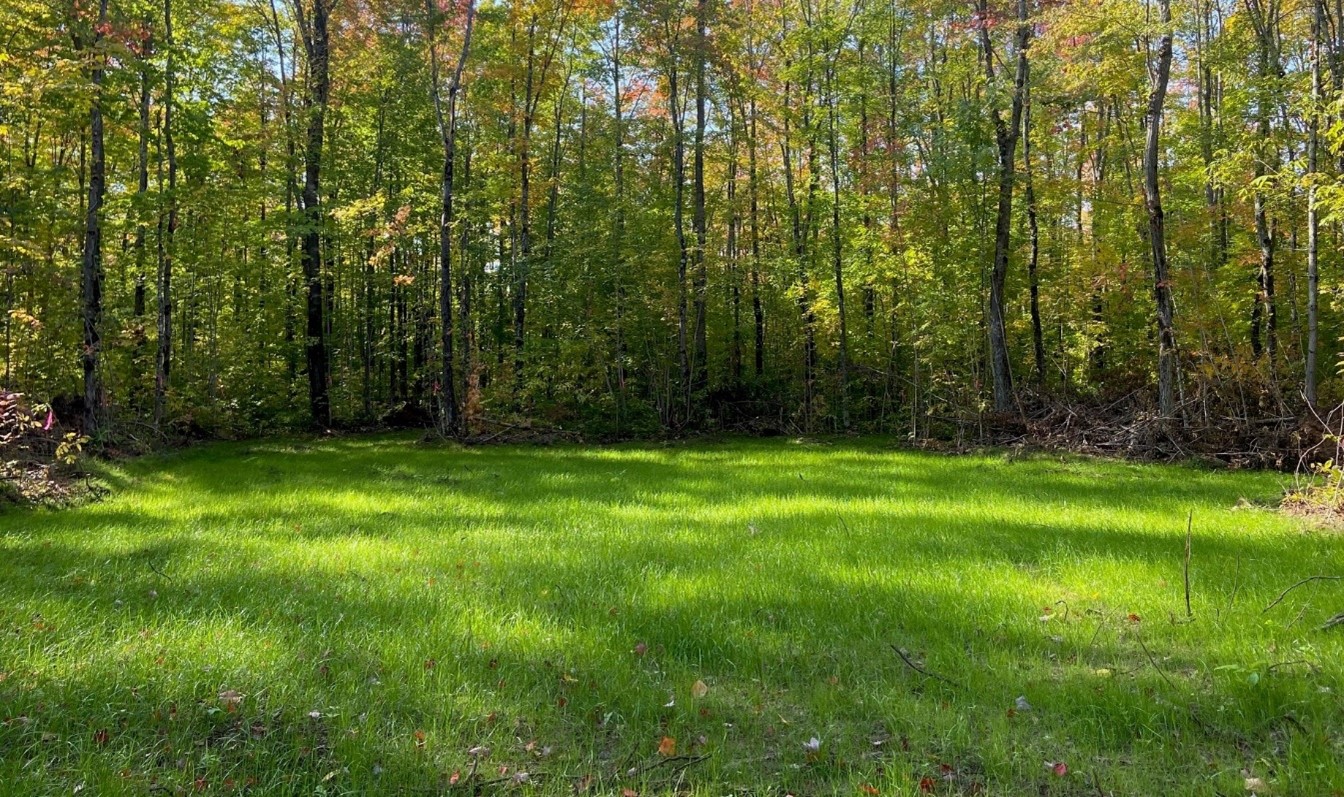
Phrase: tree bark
x=1005 y=135
x=91 y=271
x=1157 y=239
x=1033 y=263
x=450 y=412
x=1313 y=211
x=700 y=375
x=314 y=27
x=167 y=246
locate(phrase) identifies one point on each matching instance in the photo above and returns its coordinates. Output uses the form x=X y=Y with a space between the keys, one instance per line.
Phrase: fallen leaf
x=454 y=778
x=419 y=739
x=641 y=648
x=867 y=789
x=1059 y=768
x=1256 y=786
x=667 y=747
x=100 y=737
x=927 y=784
x=699 y=689
x=629 y=793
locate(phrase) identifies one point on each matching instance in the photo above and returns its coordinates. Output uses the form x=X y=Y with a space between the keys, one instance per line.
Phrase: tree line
x=635 y=216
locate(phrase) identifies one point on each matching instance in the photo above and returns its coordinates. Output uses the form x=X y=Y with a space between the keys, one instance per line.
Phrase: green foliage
x=914 y=178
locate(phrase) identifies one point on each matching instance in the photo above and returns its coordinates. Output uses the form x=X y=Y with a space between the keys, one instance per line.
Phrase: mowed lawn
x=381 y=616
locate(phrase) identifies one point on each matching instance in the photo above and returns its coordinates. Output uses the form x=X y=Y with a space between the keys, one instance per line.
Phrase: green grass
x=352 y=616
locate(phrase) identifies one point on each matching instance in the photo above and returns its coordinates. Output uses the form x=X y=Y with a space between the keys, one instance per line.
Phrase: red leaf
x=927 y=784
x=1060 y=769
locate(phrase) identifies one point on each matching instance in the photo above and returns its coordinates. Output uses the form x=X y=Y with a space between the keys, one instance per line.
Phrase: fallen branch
x=912 y=665
x=681 y=762
x=1307 y=580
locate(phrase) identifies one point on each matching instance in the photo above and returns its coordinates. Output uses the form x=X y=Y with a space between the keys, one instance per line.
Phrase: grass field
x=367 y=615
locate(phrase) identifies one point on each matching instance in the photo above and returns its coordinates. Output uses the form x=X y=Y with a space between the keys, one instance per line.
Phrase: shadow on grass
x=782 y=584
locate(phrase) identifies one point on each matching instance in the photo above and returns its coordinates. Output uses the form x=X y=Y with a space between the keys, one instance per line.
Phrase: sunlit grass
x=355 y=616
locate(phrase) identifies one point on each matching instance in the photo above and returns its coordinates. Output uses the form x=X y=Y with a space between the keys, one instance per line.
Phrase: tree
x=1160 y=75
x=91 y=273
x=313 y=17
x=447 y=120
x=1005 y=136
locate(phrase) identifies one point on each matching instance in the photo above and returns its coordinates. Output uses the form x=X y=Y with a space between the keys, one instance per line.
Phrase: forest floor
x=377 y=615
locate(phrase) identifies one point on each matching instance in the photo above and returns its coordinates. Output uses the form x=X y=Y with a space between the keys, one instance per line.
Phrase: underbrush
x=39 y=456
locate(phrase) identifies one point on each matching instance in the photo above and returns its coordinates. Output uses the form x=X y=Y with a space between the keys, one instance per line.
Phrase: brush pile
x=38 y=456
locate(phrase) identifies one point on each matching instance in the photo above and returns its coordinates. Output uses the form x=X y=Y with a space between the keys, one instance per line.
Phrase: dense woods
x=640 y=216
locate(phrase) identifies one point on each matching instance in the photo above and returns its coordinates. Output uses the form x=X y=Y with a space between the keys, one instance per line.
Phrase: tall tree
x=1006 y=133
x=1160 y=76
x=449 y=416
x=91 y=272
x=168 y=227
x=313 y=18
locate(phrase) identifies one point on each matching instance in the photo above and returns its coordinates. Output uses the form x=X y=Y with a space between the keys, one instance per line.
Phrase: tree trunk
x=314 y=29
x=700 y=377
x=1313 y=212
x=757 y=308
x=92 y=268
x=683 y=247
x=1005 y=135
x=450 y=413
x=167 y=247
x=618 y=232
x=1157 y=239
x=837 y=251
x=1033 y=224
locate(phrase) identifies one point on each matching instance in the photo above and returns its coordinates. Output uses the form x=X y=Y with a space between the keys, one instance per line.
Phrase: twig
x=162 y=574
x=684 y=761
x=1189 y=525
x=1307 y=580
x=911 y=664
x=1153 y=662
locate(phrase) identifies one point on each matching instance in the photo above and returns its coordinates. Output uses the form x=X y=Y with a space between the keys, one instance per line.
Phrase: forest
x=641 y=217
x=672 y=398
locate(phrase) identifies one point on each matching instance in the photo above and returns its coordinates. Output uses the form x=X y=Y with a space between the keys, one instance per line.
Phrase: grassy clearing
x=354 y=616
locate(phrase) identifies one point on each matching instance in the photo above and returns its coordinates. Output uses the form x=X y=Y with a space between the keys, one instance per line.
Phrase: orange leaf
x=866 y=789
x=667 y=747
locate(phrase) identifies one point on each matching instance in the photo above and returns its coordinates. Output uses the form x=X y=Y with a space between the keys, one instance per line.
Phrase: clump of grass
x=368 y=615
